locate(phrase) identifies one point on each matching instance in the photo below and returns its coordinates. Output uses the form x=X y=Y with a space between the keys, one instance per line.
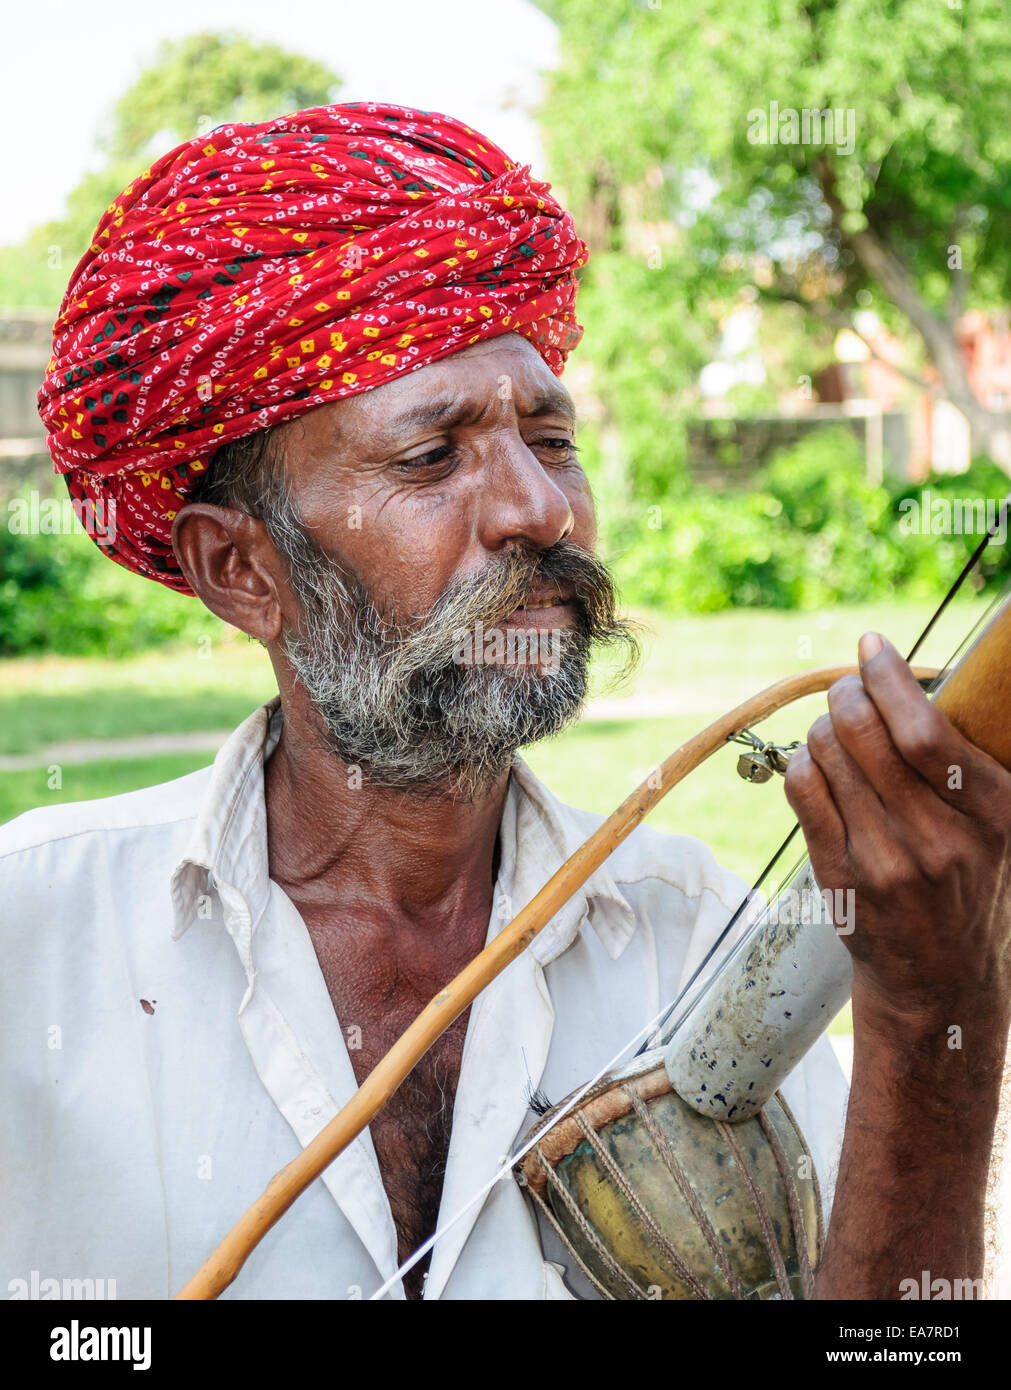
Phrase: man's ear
x=231 y=565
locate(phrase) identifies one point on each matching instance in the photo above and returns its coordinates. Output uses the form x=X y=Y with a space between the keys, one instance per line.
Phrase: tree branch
x=835 y=319
x=959 y=278
x=887 y=269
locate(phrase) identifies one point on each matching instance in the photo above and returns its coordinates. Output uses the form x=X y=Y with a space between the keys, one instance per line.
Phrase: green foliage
x=670 y=94
x=811 y=532
x=209 y=79
x=650 y=128
x=59 y=593
x=194 y=84
x=33 y=275
x=934 y=555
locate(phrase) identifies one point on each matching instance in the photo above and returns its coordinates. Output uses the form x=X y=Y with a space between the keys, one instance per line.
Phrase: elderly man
x=314 y=364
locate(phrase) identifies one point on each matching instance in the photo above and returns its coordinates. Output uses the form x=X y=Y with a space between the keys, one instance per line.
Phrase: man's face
x=444 y=595
x=426 y=480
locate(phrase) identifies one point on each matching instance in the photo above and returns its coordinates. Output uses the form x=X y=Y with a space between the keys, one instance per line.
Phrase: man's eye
x=563 y=448
x=447 y=456
x=444 y=454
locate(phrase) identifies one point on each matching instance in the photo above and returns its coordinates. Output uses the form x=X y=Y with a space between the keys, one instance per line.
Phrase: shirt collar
x=227 y=848
x=538 y=834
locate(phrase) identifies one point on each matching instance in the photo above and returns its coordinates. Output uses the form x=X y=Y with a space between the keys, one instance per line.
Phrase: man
x=314 y=363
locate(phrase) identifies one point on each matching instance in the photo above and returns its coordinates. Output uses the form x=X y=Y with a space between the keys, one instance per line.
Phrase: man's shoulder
x=670 y=859
x=677 y=859
x=114 y=818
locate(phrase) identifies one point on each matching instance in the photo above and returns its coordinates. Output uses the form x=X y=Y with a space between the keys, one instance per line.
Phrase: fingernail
x=870 y=644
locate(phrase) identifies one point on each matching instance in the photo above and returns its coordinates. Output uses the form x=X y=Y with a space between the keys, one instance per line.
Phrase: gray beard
x=406 y=705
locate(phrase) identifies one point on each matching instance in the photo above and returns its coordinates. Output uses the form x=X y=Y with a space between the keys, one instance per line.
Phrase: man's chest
x=374 y=1006
x=204 y=1099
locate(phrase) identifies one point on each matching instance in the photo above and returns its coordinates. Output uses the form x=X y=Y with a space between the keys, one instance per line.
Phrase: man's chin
x=538 y=668
x=470 y=745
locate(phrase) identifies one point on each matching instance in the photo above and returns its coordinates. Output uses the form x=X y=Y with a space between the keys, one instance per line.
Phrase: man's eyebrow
x=450 y=410
x=553 y=402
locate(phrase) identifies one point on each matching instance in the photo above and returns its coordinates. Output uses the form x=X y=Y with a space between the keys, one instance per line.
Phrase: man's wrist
x=936 y=1064
x=933 y=1029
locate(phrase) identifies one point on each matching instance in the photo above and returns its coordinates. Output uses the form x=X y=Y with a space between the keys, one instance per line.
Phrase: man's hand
x=898 y=806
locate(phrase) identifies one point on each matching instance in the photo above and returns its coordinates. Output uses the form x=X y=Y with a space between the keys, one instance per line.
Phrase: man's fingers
x=959 y=772
x=811 y=801
x=863 y=734
x=865 y=820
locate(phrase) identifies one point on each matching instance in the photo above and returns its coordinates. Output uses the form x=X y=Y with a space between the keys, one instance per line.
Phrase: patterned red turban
x=260 y=271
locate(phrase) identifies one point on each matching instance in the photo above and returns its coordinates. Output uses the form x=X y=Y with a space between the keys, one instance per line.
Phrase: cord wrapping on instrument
x=726 y=1133
x=793 y=1201
x=687 y=1191
x=552 y=1221
x=635 y=1202
x=587 y=1231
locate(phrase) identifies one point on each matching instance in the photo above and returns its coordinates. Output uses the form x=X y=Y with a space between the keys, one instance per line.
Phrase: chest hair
x=411 y=1133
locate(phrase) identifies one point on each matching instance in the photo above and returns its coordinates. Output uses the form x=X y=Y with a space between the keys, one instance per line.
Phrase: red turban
x=260 y=271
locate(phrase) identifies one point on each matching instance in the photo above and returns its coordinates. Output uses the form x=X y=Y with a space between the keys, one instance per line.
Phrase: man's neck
x=333 y=836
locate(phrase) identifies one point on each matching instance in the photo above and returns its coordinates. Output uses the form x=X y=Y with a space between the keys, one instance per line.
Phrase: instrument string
x=998 y=522
x=970 y=564
x=646 y=1035
x=559 y=1113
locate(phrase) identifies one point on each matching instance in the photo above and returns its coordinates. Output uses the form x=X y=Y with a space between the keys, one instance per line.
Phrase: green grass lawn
x=178 y=689
x=22 y=790
x=699 y=666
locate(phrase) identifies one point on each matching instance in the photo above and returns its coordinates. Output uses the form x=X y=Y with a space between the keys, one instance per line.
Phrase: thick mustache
x=510 y=584
x=490 y=597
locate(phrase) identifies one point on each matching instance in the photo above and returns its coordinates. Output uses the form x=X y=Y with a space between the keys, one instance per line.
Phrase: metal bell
x=779 y=756
x=753 y=766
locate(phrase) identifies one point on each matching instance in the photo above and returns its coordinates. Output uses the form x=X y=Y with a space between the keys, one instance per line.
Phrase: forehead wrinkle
x=446 y=408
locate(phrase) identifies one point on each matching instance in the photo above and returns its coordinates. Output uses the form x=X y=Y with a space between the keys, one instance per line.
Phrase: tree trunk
x=991 y=433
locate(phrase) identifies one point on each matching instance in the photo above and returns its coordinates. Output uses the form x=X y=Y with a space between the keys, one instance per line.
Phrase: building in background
x=906 y=431
x=25 y=346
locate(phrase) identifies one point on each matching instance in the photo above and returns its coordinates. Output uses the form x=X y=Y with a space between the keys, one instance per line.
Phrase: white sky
x=63 y=65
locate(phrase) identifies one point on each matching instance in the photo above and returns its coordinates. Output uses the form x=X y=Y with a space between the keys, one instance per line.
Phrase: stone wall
x=723 y=451
x=25 y=338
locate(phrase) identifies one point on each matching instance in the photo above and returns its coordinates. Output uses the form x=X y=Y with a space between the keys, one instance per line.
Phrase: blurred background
x=796 y=322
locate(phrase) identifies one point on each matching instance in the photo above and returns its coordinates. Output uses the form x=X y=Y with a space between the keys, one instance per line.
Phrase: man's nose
x=523 y=500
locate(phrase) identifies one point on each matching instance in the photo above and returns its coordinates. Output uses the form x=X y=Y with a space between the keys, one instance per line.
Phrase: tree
x=205 y=80
x=831 y=154
x=194 y=84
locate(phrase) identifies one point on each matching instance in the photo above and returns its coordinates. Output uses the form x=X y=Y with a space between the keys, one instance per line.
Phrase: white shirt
x=168 y=1042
